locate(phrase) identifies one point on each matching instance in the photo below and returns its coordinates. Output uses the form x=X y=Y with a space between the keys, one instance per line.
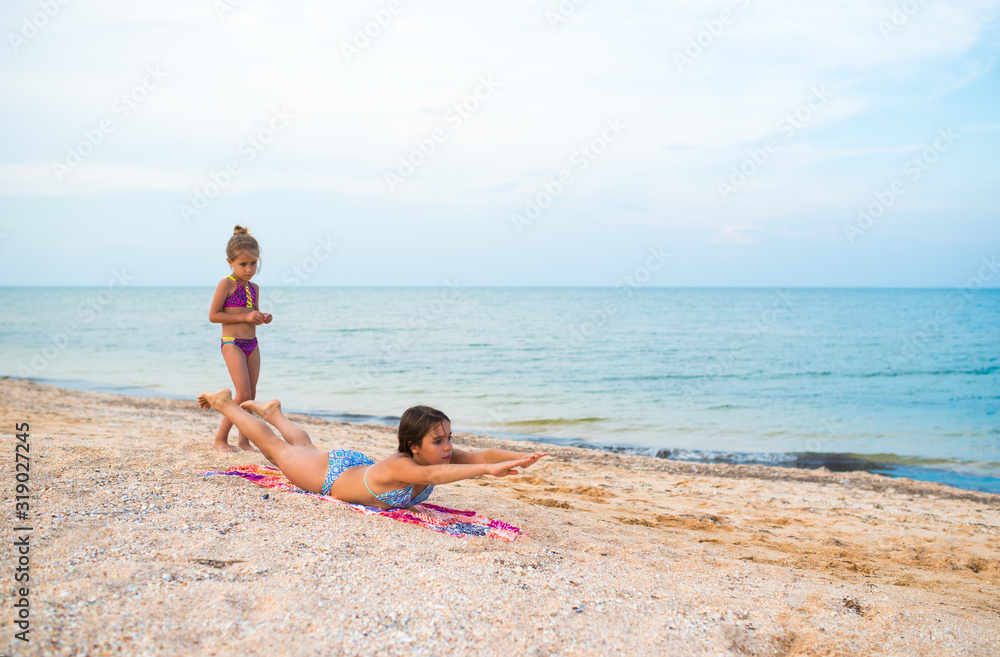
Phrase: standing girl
x=236 y=305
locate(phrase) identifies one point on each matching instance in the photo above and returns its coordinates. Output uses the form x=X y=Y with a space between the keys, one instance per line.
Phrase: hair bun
x=240 y=230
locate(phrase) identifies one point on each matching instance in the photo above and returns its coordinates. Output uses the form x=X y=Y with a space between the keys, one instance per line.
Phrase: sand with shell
x=132 y=552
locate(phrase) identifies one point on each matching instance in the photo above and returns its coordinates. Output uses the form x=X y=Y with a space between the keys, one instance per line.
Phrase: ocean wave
x=970 y=475
x=555 y=422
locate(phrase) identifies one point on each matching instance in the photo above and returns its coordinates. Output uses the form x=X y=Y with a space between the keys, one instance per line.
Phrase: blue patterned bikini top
x=401 y=497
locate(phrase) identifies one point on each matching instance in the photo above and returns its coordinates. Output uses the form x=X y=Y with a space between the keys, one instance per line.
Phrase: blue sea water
x=896 y=381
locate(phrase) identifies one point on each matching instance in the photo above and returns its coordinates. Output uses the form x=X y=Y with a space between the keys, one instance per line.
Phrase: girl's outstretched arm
x=489 y=456
x=504 y=468
x=409 y=472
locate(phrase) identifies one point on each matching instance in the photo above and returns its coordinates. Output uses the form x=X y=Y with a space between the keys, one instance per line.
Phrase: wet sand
x=132 y=552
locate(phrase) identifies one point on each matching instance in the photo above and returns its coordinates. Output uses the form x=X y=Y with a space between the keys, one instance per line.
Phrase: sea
x=899 y=382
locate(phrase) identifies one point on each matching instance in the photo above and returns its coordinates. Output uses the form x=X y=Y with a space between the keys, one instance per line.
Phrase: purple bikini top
x=244 y=296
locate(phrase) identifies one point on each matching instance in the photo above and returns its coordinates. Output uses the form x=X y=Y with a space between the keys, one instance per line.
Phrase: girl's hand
x=507 y=467
x=268 y=317
x=533 y=458
x=254 y=317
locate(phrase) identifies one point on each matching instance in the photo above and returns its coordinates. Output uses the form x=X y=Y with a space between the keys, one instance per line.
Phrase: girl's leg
x=271 y=411
x=236 y=362
x=305 y=467
x=253 y=373
x=222 y=435
x=257 y=430
x=253 y=369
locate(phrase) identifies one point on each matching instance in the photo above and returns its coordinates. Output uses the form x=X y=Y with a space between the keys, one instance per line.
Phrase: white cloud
x=353 y=120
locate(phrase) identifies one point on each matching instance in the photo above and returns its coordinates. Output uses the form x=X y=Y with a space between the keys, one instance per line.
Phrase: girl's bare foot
x=244 y=444
x=224 y=447
x=262 y=410
x=215 y=399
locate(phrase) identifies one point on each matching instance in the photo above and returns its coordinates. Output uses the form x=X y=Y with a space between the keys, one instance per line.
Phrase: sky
x=524 y=143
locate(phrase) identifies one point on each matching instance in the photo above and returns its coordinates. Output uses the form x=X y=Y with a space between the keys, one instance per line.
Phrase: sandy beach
x=133 y=552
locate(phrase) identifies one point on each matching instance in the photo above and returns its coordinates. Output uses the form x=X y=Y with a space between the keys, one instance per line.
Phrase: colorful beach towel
x=465 y=524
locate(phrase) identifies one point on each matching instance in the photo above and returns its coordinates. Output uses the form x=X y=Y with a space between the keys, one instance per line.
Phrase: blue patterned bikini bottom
x=340 y=460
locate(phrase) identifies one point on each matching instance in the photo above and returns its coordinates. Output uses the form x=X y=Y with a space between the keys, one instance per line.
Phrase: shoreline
x=133 y=552
x=833 y=461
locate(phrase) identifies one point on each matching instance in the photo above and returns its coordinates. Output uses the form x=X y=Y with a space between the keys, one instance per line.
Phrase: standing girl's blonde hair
x=236 y=305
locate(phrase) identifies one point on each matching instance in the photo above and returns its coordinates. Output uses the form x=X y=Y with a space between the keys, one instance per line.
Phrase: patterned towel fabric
x=465 y=524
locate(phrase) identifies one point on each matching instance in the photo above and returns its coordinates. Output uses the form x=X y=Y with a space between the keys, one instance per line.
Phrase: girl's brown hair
x=241 y=240
x=416 y=423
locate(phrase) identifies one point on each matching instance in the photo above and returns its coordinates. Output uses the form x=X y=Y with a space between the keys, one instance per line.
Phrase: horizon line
x=540 y=287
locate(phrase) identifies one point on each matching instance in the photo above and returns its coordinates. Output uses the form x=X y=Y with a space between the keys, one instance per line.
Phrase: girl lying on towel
x=425 y=457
